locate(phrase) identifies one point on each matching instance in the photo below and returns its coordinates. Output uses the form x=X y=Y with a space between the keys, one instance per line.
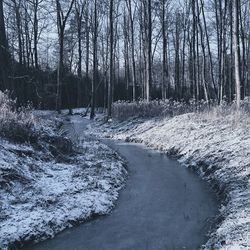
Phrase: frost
x=46 y=187
x=215 y=146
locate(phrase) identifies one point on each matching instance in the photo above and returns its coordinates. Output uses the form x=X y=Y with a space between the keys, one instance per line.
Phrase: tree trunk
x=111 y=58
x=129 y=6
x=148 y=24
x=60 y=73
x=95 y=65
x=36 y=33
x=165 y=55
x=79 y=68
x=237 y=53
x=4 y=54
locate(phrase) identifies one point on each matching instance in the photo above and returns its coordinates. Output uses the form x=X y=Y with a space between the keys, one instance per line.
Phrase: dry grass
x=16 y=124
x=123 y=110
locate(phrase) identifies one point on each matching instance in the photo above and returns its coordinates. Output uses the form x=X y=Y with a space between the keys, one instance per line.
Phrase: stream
x=163 y=206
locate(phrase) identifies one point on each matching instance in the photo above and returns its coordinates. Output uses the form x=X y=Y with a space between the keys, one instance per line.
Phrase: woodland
x=82 y=79
x=60 y=54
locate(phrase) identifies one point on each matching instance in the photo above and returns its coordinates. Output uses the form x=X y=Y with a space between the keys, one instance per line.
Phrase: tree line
x=65 y=54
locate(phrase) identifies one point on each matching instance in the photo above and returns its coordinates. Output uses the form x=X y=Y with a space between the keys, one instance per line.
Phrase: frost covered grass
x=216 y=144
x=52 y=183
x=123 y=110
x=16 y=124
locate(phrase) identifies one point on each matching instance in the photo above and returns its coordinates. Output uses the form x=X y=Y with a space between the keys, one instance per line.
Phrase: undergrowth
x=16 y=123
x=19 y=125
x=123 y=110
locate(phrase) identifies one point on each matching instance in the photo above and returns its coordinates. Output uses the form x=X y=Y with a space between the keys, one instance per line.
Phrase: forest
x=63 y=54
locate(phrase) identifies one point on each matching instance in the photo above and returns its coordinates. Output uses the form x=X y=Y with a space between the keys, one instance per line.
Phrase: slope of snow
x=42 y=193
x=218 y=148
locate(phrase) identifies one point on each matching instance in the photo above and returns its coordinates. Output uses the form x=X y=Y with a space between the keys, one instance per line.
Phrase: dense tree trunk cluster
x=102 y=51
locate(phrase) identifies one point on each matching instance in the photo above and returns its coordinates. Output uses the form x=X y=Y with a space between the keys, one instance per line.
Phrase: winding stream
x=163 y=206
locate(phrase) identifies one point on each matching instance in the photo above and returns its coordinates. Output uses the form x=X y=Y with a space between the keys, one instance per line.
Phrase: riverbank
x=145 y=216
x=54 y=182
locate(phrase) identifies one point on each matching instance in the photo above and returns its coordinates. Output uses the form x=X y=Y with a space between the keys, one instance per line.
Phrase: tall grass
x=17 y=124
x=123 y=110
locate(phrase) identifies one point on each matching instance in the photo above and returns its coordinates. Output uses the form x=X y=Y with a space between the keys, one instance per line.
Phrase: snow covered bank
x=217 y=147
x=52 y=184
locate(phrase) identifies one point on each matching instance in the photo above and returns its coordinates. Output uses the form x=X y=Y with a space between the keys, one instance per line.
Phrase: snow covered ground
x=217 y=146
x=50 y=185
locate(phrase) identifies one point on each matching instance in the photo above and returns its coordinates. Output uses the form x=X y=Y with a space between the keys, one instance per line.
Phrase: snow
x=40 y=195
x=214 y=145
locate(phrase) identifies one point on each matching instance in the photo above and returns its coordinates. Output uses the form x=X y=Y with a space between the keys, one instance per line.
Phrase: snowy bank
x=217 y=147
x=52 y=184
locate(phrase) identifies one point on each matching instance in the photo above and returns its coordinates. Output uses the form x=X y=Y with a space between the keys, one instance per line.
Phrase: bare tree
x=61 y=24
x=147 y=49
x=148 y=46
x=131 y=14
x=236 y=7
x=79 y=9
x=111 y=57
x=164 y=27
x=95 y=62
x=36 y=4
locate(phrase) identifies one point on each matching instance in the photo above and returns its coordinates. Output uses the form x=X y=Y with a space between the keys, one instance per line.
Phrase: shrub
x=16 y=124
